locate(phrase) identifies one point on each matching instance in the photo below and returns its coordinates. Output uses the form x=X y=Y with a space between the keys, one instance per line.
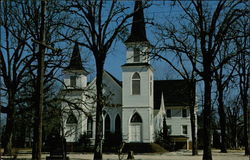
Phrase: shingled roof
x=175 y=92
x=138 y=31
x=76 y=61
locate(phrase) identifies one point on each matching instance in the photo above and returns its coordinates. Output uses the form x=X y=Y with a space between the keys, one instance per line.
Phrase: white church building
x=135 y=106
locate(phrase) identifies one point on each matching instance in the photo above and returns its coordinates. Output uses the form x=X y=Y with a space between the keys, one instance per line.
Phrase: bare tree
x=223 y=77
x=98 y=23
x=14 y=61
x=21 y=24
x=234 y=122
x=38 y=124
x=221 y=85
x=199 y=36
x=243 y=70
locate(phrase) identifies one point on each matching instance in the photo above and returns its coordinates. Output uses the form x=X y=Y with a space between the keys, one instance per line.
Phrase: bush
x=112 y=142
x=84 y=143
x=164 y=141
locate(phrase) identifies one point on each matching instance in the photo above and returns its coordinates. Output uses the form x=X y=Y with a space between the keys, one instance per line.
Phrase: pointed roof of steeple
x=76 y=61
x=138 y=31
x=162 y=107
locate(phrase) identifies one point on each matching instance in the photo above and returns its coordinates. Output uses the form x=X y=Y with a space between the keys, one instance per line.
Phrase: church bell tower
x=75 y=75
x=137 y=89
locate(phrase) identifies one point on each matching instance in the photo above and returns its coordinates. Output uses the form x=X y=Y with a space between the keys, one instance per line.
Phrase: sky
x=159 y=11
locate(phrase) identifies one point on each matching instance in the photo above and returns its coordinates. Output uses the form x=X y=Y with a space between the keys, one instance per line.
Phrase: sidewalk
x=180 y=155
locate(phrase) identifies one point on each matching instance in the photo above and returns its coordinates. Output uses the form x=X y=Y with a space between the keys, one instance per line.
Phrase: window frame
x=136 y=55
x=151 y=86
x=107 y=130
x=182 y=113
x=133 y=83
x=170 y=113
x=90 y=128
x=184 y=126
x=169 y=129
x=72 y=79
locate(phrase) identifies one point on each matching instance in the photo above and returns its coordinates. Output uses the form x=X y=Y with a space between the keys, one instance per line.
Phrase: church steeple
x=138 y=31
x=76 y=61
x=75 y=75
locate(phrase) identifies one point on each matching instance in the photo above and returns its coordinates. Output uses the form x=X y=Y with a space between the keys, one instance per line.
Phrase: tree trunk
x=245 y=114
x=193 y=130
x=221 y=110
x=99 y=107
x=207 y=154
x=37 y=146
x=9 y=126
x=244 y=87
x=192 y=120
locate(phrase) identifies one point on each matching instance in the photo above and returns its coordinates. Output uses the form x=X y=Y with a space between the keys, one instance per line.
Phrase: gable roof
x=115 y=79
x=119 y=83
x=175 y=92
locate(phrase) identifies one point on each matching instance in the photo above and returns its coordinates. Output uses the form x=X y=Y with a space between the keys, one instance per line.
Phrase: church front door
x=135 y=132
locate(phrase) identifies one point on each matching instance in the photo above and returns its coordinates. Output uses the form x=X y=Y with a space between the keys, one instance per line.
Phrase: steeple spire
x=76 y=61
x=138 y=31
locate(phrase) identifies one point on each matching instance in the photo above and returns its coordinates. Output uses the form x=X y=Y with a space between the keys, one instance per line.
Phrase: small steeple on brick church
x=137 y=105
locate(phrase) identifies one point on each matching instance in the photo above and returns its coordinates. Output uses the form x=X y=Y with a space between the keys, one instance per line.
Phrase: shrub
x=84 y=143
x=112 y=142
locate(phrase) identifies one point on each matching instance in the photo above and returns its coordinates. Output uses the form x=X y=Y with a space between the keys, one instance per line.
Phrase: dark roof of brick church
x=175 y=93
x=138 y=31
x=75 y=61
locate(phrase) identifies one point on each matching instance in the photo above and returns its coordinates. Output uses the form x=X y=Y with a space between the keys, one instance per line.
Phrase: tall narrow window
x=169 y=113
x=73 y=81
x=169 y=128
x=136 y=89
x=118 y=125
x=71 y=127
x=136 y=55
x=150 y=87
x=184 y=112
x=107 y=125
x=184 y=129
x=90 y=126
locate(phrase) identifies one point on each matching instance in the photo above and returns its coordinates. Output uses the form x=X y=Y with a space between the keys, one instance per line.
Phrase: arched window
x=118 y=124
x=136 y=55
x=136 y=118
x=90 y=126
x=71 y=128
x=107 y=125
x=71 y=119
x=136 y=88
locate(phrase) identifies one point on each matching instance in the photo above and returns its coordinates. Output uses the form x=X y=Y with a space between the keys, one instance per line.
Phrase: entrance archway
x=135 y=128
